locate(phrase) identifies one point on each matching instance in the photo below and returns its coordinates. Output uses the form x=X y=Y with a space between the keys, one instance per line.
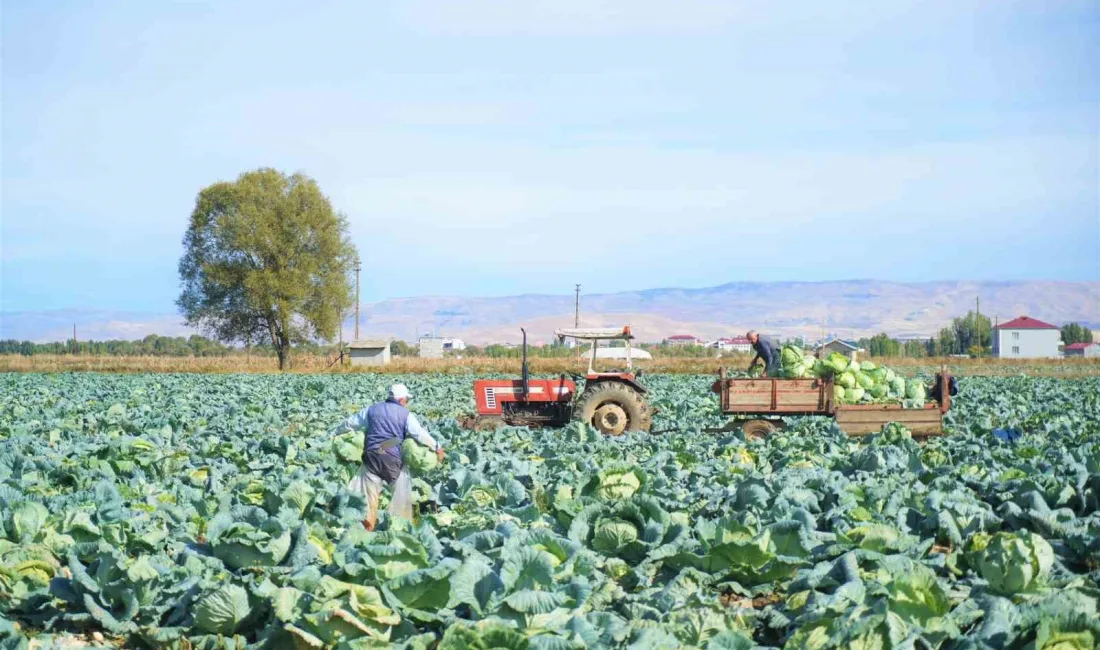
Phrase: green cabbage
x=838 y=361
x=865 y=382
x=1017 y=562
x=612 y=535
x=897 y=386
x=915 y=389
x=847 y=380
x=791 y=355
x=879 y=391
x=854 y=394
x=418 y=458
x=617 y=482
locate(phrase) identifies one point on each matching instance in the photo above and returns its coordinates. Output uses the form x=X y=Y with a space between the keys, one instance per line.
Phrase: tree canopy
x=1076 y=333
x=266 y=257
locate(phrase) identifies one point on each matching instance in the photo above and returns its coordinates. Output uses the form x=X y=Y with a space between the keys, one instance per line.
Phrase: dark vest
x=386 y=422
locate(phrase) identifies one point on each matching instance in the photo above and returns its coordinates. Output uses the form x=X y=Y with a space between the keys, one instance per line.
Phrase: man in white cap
x=386 y=424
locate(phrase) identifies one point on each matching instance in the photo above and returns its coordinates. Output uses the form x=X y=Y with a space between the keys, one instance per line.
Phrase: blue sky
x=499 y=147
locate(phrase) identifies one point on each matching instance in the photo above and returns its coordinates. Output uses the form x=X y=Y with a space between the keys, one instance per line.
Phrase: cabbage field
x=210 y=511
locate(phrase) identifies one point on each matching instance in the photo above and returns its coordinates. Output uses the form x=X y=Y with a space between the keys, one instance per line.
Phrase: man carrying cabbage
x=764 y=352
x=386 y=425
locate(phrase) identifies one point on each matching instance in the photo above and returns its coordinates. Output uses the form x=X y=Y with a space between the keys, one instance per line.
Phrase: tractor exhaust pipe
x=526 y=375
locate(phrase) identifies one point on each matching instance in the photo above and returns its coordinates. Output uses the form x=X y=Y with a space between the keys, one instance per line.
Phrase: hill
x=847 y=308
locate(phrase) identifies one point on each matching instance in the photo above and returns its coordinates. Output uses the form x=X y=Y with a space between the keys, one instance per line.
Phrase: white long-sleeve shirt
x=359 y=422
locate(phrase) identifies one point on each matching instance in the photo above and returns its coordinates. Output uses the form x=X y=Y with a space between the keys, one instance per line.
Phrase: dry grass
x=484 y=365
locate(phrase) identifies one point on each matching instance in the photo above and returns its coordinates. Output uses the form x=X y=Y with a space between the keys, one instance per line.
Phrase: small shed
x=369 y=352
x=847 y=348
x=1091 y=350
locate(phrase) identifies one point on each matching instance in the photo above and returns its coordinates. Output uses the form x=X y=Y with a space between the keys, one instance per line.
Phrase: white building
x=1026 y=338
x=369 y=353
x=735 y=344
x=683 y=339
x=453 y=344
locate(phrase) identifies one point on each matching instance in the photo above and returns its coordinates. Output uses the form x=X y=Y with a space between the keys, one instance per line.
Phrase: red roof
x=682 y=337
x=1078 y=346
x=1025 y=323
x=737 y=340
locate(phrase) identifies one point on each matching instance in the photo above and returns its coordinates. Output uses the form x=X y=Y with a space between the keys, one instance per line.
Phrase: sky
x=499 y=147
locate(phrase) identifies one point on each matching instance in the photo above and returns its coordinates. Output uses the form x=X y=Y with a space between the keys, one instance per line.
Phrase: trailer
x=758 y=405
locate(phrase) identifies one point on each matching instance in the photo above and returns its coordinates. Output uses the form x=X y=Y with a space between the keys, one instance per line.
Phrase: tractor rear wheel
x=613 y=408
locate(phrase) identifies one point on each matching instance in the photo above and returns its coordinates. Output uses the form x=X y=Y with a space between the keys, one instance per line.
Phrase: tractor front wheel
x=613 y=408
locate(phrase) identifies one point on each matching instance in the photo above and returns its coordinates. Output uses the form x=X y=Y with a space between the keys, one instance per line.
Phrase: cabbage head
x=617 y=482
x=1014 y=563
x=854 y=394
x=847 y=380
x=613 y=535
x=791 y=355
x=915 y=389
x=418 y=458
x=897 y=386
x=242 y=544
x=855 y=366
x=865 y=382
x=878 y=391
x=838 y=361
x=866 y=366
x=838 y=393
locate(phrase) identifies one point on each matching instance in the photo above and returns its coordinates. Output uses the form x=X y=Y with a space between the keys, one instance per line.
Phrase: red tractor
x=612 y=402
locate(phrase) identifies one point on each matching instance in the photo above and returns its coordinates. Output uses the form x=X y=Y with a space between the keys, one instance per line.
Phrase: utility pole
x=358 y=266
x=577 y=308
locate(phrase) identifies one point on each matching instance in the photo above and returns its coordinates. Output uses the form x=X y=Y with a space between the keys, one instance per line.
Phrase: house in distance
x=1026 y=338
x=683 y=340
x=849 y=349
x=1090 y=350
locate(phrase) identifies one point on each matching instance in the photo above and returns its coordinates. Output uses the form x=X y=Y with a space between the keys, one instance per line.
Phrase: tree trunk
x=283 y=350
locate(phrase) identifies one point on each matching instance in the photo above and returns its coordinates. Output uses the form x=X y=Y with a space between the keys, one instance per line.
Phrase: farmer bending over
x=764 y=352
x=386 y=425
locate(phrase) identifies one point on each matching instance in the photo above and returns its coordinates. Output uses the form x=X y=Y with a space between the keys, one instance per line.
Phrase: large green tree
x=1076 y=333
x=266 y=258
x=971 y=334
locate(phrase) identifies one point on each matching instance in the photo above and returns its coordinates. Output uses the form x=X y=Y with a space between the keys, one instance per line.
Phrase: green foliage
x=266 y=258
x=175 y=511
x=1076 y=333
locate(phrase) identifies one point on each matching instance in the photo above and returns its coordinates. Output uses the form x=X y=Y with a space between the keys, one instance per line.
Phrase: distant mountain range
x=850 y=308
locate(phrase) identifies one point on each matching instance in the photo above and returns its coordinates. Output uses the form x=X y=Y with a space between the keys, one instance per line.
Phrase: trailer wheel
x=613 y=408
x=758 y=429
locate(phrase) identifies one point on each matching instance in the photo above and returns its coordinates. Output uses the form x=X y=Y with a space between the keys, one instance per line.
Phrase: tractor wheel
x=614 y=408
x=481 y=422
x=759 y=428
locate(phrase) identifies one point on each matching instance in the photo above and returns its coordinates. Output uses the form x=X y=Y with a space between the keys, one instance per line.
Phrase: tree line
x=963 y=336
